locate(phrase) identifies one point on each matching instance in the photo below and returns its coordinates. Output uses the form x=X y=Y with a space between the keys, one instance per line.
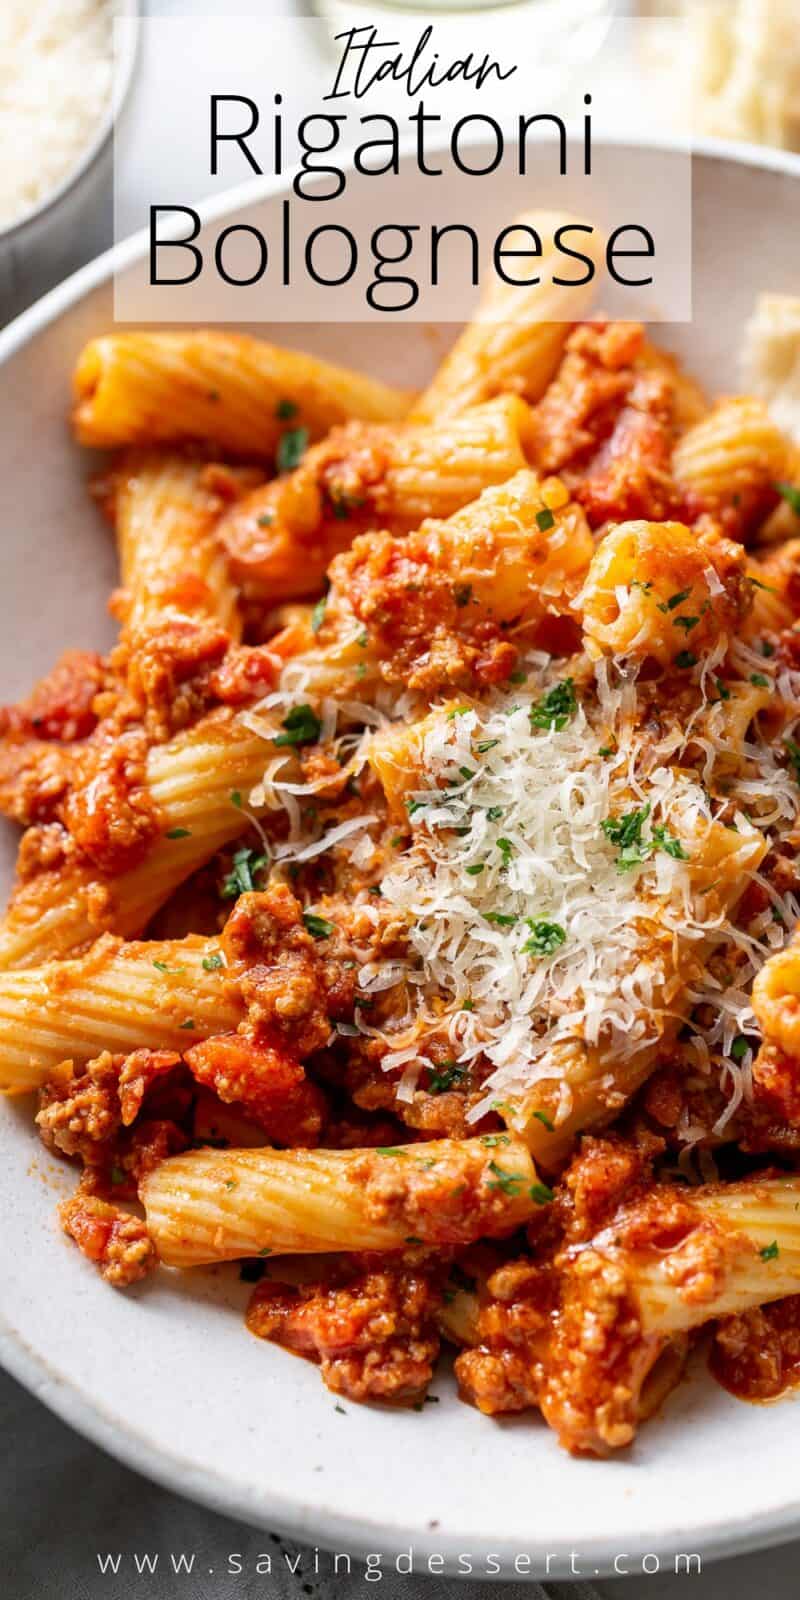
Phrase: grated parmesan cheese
x=55 y=85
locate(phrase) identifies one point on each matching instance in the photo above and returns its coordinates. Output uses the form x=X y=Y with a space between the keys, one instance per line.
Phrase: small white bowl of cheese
x=60 y=90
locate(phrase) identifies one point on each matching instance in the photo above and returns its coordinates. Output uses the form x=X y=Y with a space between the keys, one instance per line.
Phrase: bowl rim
x=328 y=1527
x=125 y=23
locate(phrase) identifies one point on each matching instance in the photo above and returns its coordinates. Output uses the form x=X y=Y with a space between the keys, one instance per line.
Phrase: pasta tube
x=732 y=459
x=159 y=994
x=282 y=538
x=665 y=1265
x=513 y=343
x=213 y=1205
x=166 y=511
x=192 y=781
x=232 y=391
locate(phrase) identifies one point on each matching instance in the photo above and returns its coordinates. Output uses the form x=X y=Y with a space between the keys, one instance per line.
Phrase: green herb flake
x=171 y=972
x=236 y=799
x=722 y=689
x=685 y=659
x=759 y=681
x=793 y=752
x=265 y=519
x=541 y=1116
x=546 y=937
x=770 y=1251
x=444 y=1076
x=318 y=614
x=301 y=726
x=493 y=1140
x=318 y=927
x=767 y=649
x=390 y=1150
x=466 y=773
x=241 y=878
x=545 y=520
x=494 y=813
x=506 y=849
x=187 y=1026
x=462 y=594
x=740 y=1047
x=675 y=600
x=500 y=919
x=791 y=494
x=285 y=410
x=668 y=843
x=626 y=832
x=291 y=449
x=507 y=1182
x=475 y=870
x=230 y=1183
x=468 y=1005
x=556 y=708
x=486 y=744
x=687 y=623
x=540 y=1193
x=179 y=833
x=341 y=1410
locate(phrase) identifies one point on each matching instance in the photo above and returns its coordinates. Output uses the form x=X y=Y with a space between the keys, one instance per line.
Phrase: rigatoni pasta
x=434 y=928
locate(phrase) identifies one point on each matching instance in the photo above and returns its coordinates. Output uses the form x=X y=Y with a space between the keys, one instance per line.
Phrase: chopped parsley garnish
x=390 y=1150
x=759 y=681
x=541 y=1116
x=291 y=449
x=236 y=799
x=415 y=805
x=341 y=1410
x=172 y=972
x=675 y=600
x=793 y=752
x=500 y=919
x=188 y=1027
x=468 y=1005
x=494 y=813
x=318 y=927
x=493 y=1140
x=626 y=832
x=556 y=708
x=318 y=614
x=767 y=649
x=541 y=1193
x=266 y=519
x=685 y=659
x=475 y=870
x=740 y=1047
x=518 y=677
x=506 y=849
x=343 y=503
x=668 y=843
x=545 y=938
x=722 y=689
x=758 y=584
x=770 y=1251
x=213 y=963
x=301 y=726
x=545 y=520
x=687 y=623
x=486 y=744
x=241 y=878
x=508 y=1182
x=791 y=494
x=285 y=410
x=462 y=594
x=444 y=1076
x=179 y=833
x=457 y=711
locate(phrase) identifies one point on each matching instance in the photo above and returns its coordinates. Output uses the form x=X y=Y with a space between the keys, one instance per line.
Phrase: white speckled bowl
x=165 y=1376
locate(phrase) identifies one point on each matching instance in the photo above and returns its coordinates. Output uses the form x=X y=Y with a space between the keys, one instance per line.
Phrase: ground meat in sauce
x=117 y=1243
x=266 y=1081
x=374 y=1334
x=111 y=814
x=757 y=1355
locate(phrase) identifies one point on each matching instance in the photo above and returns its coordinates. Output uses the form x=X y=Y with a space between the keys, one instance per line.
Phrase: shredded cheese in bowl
x=56 y=73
